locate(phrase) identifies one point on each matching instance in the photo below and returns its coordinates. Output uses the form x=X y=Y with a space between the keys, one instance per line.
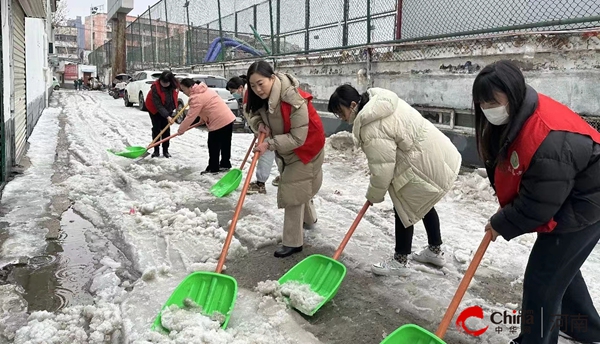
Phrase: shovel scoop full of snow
x=131 y=152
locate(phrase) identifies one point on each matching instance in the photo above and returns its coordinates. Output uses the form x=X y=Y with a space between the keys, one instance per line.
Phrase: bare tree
x=59 y=17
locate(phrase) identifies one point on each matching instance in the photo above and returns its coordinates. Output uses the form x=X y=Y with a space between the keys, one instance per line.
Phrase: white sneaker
x=391 y=267
x=427 y=256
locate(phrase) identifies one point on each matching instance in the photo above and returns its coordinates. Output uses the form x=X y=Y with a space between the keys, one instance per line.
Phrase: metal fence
x=176 y=33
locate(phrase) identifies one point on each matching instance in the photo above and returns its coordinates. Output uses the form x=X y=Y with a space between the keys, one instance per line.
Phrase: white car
x=217 y=83
x=137 y=89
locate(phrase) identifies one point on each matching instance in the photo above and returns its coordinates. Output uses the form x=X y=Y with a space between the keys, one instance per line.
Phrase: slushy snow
x=298 y=295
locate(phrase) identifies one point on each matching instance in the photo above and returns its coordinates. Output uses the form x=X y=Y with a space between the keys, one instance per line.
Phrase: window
x=216 y=83
x=156 y=75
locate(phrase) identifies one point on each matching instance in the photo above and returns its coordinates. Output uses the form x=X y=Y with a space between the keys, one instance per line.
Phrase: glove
x=261 y=148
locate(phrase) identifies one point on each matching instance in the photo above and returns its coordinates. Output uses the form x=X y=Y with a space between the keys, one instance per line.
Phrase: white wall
x=36 y=58
x=6 y=58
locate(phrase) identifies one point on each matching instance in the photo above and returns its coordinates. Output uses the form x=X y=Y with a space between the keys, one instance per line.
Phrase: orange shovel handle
x=248 y=153
x=464 y=284
x=238 y=209
x=359 y=217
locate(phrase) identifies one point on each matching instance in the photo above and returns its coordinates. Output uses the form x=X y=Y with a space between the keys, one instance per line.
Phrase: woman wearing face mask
x=543 y=161
x=238 y=88
x=409 y=158
x=161 y=101
x=277 y=107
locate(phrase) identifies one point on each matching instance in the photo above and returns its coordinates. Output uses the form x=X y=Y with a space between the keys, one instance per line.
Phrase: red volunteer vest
x=550 y=115
x=150 y=104
x=315 y=139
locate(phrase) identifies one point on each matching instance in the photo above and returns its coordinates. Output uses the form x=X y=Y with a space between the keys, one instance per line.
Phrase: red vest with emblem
x=550 y=115
x=315 y=139
x=150 y=104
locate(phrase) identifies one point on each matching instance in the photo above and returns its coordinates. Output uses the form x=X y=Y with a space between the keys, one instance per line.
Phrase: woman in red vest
x=543 y=161
x=278 y=107
x=161 y=101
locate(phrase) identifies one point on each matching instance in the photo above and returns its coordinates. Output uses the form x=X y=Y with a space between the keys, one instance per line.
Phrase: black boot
x=156 y=153
x=166 y=152
x=285 y=251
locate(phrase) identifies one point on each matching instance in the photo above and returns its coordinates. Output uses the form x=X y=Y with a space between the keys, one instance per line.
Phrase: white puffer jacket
x=408 y=156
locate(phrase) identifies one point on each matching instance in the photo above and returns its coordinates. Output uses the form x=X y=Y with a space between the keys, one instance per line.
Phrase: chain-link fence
x=176 y=33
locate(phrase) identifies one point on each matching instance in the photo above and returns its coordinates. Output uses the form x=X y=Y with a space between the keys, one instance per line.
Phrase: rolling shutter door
x=20 y=114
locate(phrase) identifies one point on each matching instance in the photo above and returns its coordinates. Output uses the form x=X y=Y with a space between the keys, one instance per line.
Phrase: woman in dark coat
x=543 y=161
x=161 y=101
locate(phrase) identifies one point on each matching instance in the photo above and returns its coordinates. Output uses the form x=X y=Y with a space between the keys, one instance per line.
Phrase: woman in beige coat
x=277 y=107
x=409 y=158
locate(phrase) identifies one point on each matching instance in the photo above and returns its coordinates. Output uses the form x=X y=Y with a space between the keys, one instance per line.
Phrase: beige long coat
x=299 y=181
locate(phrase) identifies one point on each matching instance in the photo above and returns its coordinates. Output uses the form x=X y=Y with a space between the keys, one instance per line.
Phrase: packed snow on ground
x=162 y=211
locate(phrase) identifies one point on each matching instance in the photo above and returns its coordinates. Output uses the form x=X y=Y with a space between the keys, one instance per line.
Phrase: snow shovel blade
x=324 y=275
x=228 y=183
x=132 y=152
x=412 y=334
x=212 y=291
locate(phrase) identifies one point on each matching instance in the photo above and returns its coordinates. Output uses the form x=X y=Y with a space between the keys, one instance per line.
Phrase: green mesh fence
x=178 y=33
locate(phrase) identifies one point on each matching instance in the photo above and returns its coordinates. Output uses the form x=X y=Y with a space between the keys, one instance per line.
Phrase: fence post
x=345 y=25
x=207 y=37
x=131 y=58
x=235 y=24
x=399 y=20
x=167 y=43
x=153 y=43
x=272 y=28
x=188 y=36
x=278 y=26
x=307 y=25
x=222 y=52
x=368 y=21
x=141 y=42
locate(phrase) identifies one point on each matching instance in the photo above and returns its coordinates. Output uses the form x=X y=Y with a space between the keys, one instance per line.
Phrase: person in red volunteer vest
x=161 y=101
x=543 y=161
x=278 y=107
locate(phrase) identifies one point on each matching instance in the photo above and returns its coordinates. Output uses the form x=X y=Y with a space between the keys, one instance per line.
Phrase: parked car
x=217 y=83
x=55 y=84
x=137 y=89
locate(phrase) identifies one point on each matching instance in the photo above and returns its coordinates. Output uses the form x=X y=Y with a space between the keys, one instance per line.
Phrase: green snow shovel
x=324 y=275
x=413 y=334
x=134 y=152
x=212 y=291
x=232 y=179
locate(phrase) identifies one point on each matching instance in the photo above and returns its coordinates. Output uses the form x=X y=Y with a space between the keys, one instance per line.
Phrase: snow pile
x=342 y=142
x=13 y=311
x=78 y=324
x=472 y=188
x=298 y=295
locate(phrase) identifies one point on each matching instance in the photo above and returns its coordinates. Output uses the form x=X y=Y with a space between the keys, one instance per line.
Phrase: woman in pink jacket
x=212 y=110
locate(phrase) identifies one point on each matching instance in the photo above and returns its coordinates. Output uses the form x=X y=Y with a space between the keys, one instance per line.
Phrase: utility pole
x=120 y=45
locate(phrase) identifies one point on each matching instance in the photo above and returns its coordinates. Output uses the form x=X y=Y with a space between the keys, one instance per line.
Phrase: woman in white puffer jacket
x=409 y=158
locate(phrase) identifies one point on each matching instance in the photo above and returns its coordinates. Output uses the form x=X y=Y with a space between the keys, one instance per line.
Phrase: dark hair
x=262 y=68
x=168 y=76
x=187 y=82
x=501 y=76
x=344 y=96
x=236 y=82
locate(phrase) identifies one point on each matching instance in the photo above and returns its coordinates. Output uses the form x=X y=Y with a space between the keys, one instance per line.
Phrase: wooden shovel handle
x=464 y=285
x=359 y=217
x=167 y=127
x=172 y=136
x=248 y=153
x=238 y=209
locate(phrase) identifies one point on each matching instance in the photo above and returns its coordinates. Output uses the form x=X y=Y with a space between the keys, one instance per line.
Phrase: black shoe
x=209 y=171
x=285 y=251
x=224 y=169
x=156 y=153
x=166 y=153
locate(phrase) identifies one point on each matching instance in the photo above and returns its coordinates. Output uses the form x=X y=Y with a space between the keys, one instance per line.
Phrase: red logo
x=473 y=311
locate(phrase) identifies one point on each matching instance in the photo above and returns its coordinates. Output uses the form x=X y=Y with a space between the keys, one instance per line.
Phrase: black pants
x=158 y=124
x=554 y=292
x=219 y=144
x=404 y=235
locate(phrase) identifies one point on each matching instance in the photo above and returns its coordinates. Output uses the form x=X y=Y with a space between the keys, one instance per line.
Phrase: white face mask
x=497 y=115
